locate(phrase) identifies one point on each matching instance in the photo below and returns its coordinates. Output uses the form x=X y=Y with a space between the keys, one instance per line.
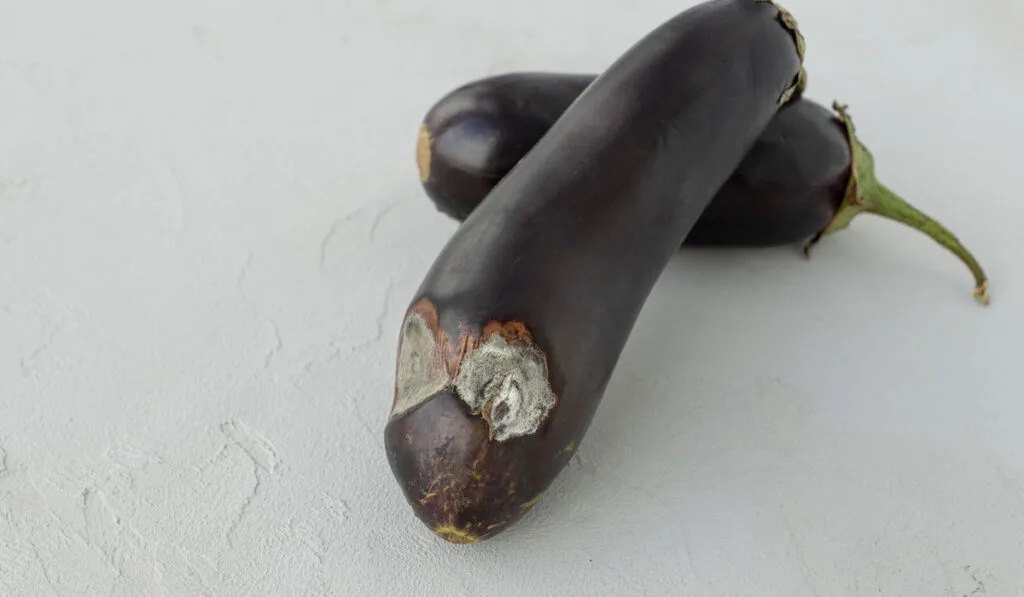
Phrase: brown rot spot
x=497 y=370
x=423 y=153
x=451 y=349
x=509 y=330
x=504 y=380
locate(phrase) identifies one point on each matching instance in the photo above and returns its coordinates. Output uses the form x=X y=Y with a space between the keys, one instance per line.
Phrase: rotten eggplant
x=507 y=346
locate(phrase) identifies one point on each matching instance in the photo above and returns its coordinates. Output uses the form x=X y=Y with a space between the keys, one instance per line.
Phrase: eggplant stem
x=885 y=203
x=864 y=194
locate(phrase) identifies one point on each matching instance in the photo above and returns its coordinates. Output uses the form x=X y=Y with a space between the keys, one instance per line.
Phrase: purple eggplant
x=806 y=176
x=508 y=344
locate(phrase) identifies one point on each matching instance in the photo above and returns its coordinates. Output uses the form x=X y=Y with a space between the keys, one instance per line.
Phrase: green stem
x=864 y=194
x=887 y=204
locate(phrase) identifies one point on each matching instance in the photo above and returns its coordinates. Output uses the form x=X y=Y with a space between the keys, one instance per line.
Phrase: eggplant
x=507 y=345
x=798 y=183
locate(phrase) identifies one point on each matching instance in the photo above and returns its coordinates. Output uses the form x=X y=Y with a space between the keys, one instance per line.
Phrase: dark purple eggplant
x=796 y=184
x=508 y=344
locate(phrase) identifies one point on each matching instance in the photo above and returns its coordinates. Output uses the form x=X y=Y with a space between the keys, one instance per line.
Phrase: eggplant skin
x=475 y=134
x=787 y=189
x=508 y=344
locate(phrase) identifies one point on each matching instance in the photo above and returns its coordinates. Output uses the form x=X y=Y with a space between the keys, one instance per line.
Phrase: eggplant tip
x=423 y=153
x=463 y=486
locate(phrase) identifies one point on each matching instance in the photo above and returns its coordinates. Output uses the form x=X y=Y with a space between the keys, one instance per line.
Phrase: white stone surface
x=210 y=223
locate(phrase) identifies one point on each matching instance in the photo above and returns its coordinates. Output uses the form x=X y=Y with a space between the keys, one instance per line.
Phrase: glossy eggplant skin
x=476 y=133
x=787 y=189
x=509 y=342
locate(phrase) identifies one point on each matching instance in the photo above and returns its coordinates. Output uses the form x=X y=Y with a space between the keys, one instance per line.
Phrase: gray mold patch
x=421 y=370
x=508 y=383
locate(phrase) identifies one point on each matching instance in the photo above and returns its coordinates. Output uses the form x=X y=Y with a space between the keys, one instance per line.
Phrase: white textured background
x=210 y=223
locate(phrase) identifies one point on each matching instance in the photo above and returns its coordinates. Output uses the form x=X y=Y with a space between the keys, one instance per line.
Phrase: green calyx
x=865 y=194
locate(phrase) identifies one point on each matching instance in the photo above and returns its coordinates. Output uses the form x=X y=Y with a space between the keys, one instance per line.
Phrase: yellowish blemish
x=452 y=534
x=570 y=447
x=531 y=503
x=423 y=153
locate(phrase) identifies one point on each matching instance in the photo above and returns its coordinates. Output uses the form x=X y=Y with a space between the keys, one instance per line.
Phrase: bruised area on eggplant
x=466 y=482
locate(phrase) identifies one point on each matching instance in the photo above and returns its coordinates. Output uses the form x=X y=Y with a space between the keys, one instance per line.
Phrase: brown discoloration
x=513 y=331
x=455 y=352
x=452 y=350
x=426 y=309
x=501 y=358
x=423 y=143
x=485 y=413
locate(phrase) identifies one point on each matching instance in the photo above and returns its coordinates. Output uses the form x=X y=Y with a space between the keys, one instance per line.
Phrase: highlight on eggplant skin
x=797 y=184
x=508 y=344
